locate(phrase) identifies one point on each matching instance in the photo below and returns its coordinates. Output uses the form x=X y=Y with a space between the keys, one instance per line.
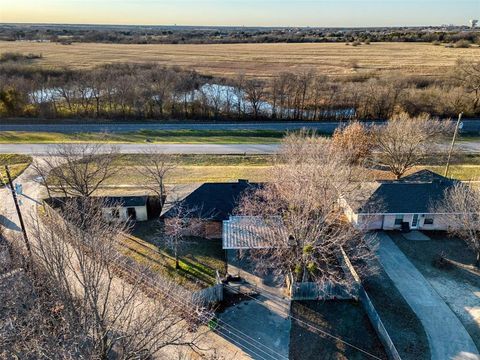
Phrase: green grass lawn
x=199 y=260
x=154 y=136
x=16 y=163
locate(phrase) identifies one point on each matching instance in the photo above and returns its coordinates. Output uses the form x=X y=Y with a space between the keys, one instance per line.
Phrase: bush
x=16 y=56
x=462 y=44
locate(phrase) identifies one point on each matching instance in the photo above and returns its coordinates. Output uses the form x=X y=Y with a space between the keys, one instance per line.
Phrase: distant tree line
x=221 y=35
x=133 y=91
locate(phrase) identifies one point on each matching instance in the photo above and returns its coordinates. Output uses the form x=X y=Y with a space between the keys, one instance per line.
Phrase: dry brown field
x=259 y=60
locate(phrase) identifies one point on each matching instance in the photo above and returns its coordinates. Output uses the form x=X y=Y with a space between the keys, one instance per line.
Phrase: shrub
x=16 y=56
x=462 y=44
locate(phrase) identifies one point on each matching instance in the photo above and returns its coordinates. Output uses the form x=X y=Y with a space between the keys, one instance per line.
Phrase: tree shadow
x=9 y=224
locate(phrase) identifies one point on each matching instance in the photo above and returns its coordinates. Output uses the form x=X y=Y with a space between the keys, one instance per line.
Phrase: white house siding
x=141 y=213
x=375 y=221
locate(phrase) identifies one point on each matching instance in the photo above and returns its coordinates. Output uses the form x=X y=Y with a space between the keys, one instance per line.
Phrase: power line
x=309 y=325
x=181 y=301
x=246 y=338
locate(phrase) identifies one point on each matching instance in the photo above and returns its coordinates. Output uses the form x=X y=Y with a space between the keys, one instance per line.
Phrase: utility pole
x=17 y=206
x=457 y=126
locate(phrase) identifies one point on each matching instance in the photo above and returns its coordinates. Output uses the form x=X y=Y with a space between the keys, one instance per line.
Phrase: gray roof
x=416 y=193
x=215 y=201
x=249 y=232
x=125 y=201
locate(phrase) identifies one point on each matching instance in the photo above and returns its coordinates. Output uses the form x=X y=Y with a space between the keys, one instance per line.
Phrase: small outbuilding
x=400 y=204
x=124 y=208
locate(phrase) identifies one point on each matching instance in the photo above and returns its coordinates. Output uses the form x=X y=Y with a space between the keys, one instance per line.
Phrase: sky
x=321 y=13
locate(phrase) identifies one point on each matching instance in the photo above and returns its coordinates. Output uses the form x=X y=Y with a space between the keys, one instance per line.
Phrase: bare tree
x=183 y=223
x=404 y=141
x=306 y=227
x=354 y=140
x=460 y=210
x=78 y=170
x=78 y=253
x=154 y=168
x=255 y=94
x=468 y=73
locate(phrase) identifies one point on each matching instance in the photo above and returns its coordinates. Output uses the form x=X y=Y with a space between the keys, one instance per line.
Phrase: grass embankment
x=16 y=163
x=199 y=259
x=153 y=136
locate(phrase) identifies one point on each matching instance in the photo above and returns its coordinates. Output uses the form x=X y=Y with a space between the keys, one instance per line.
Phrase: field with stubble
x=258 y=60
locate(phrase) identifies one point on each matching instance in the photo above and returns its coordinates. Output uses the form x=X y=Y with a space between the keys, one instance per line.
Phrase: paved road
x=469 y=126
x=447 y=336
x=42 y=149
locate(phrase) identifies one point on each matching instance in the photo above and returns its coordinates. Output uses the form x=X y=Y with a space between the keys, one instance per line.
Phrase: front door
x=132 y=214
x=414 y=221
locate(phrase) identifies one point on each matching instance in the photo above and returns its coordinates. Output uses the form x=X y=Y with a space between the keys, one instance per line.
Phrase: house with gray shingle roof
x=389 y=205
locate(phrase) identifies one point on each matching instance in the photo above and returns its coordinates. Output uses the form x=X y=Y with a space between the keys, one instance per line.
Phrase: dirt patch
x=344 y=319
x=459 y=288
x=403 y=326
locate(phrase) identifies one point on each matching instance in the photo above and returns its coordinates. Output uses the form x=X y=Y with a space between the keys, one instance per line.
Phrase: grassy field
x=154 y=136
x=16 y=163
x=262 y=60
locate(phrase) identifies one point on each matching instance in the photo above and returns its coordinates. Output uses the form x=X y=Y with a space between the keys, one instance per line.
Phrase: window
x=428 y=221
x=398 y=219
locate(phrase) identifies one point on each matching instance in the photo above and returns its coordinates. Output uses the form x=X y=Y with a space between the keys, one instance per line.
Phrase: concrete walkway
x=447 y=336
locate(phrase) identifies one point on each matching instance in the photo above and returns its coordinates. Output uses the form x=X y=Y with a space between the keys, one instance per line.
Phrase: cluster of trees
x=222 y=35
x=129 y=91
x=77 y=296
x=303 y=229
x=397 y=146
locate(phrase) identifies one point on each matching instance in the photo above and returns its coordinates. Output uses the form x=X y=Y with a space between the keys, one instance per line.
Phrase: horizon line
x=235 y=26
